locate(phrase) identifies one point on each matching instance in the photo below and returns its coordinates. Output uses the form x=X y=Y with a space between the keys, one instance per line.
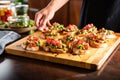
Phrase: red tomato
x=8 y=12
x=4 y=18
x=36 y=39
x=49 y=40
x=31 y=44
x=29 y=37
x=8 y=15
x=69 y=27
x=88 y=26
x=95 y=37
x=55 y=42
x=80 y=41
x=100 y=30
x=86 y=46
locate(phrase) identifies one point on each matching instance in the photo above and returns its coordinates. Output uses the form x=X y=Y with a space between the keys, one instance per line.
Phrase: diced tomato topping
x=88 y=26
x=80 y=42
x=32 y=38
x=75 y=27
x=100 y=30
x=31 y=44
x=52 y=41
x=36 y=39
x=95 y=37
x=49 y=40
x=29 y=38
x=86 y=46
x=71 y=27
x=32 y=41
x=90 y=35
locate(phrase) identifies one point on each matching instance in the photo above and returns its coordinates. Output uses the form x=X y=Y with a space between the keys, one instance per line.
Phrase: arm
x=43 y=17
x=57 y=4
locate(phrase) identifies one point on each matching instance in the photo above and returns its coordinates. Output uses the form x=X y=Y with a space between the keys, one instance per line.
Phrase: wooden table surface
x=20 y=68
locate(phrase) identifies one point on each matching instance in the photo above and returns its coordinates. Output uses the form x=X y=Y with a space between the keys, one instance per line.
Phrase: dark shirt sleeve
x=102 y=13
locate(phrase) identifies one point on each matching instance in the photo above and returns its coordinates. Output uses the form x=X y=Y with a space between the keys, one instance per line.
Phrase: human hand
x=43 y=17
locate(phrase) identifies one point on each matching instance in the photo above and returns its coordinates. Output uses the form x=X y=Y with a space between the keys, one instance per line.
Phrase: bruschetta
x=32 y=43
x=80 y=47
x=56 y=27
x=97 y=41
x=89 y=28
x=107 y=33
x=71 y=29
x=54 y=45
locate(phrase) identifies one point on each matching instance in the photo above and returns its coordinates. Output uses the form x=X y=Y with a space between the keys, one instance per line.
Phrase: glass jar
x=22 y=9
x=19 y=21
x=6 y=10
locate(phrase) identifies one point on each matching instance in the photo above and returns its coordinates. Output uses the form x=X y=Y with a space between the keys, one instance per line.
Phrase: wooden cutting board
x=92 y=60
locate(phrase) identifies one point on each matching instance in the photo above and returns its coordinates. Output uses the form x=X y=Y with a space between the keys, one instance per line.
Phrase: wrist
x=50 y=9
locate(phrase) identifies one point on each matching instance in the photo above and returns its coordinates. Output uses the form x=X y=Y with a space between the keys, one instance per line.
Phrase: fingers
x=38 y=17
x=42 y=19
x=48 y=23
x=45 y=20
x=44 y=23
x=43 y=29
x=40 y=22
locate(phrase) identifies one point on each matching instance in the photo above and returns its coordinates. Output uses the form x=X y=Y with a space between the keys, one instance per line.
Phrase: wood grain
x=93 y=60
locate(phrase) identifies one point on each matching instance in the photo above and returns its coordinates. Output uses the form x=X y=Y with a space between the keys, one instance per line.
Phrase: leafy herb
x=31 y=31
x=79 y=46
x=51 y=46
x=3 y=24
x=38 y=44
x=58 y=27
x=31 y=23
x=64 y=47
x=52 y=34
x=69 y=38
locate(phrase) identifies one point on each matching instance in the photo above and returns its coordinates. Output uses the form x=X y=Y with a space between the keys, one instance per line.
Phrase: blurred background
x=68 y=14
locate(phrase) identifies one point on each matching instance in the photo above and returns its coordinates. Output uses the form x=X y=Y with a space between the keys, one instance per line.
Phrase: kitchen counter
x=21 y=68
